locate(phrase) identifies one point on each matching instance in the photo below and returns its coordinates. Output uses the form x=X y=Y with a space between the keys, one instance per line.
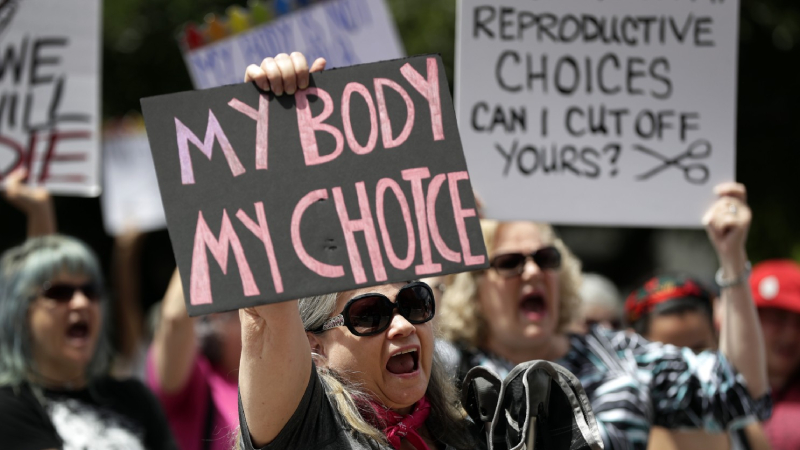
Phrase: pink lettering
x=397 y=263
x=309 y=125
x=261 y=230
x=415 y=176
x=364 y=224
x=200 y=282
x=460 y=214
x=430 y=90
x=261 y=116
x=433 y=193
x=213 y=132
x=386 y=124
x=348 y=128
x=316 y=266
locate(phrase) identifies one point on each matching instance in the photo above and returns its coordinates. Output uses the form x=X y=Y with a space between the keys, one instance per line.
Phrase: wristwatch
x=744 y=276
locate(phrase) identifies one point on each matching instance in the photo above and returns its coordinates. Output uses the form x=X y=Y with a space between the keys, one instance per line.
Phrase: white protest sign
x=49 y=93
x=344 y=32
x=130 y=199
x=613 y=112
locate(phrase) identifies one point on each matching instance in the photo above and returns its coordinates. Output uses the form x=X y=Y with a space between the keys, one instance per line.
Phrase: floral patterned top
x=634 y=384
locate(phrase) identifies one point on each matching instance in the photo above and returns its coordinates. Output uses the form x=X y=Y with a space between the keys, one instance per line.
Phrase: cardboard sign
x=130 y=197
x=344 y=32
x=49 y=84
x=356 y=181
x=612 y=112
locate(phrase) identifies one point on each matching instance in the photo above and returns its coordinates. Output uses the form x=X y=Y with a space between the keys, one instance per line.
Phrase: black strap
x=744 y=441
x=480 y=392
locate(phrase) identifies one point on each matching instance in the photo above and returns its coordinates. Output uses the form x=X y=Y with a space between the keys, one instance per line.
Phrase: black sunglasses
x=513 y=264
x=370 y=314
x=63 y=292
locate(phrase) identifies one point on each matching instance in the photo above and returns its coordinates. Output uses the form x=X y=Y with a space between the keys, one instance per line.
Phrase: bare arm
x=34 y=202
x=127 y=251
x=274 y=369
x=276 y=358
x=727 y=223
x=757 y=437
x=174 y=346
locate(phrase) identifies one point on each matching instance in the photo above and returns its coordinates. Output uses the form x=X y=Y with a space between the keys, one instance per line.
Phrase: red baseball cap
x=776 y=284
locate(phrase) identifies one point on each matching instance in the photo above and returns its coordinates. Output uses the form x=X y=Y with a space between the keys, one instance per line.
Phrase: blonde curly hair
x=459 y=314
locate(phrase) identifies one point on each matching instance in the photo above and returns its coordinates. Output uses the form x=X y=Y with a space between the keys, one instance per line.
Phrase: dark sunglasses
x=513 y=264
x=370 y=314
x=63 y=292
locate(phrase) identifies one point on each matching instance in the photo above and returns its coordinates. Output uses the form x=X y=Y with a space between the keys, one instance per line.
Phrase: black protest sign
x=358 y=180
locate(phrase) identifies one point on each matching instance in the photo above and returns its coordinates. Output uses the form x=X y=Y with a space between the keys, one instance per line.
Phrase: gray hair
x=315 y=310
x=599 y=290
x=23 y=270
x=447 y=421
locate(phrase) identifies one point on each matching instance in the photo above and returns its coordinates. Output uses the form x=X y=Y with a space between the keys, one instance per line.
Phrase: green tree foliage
x=769 y=124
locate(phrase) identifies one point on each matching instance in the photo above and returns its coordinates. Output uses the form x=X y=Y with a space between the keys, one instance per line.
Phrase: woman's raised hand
x=741 y=340
x=283 y=73
x=35 y=202
x=24 y=197
x=727 y=223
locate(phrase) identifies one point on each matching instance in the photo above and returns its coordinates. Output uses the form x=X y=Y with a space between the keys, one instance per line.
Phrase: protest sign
x=613 y=112
x=130 y=199
x=344 y=32
x=49 y=83
x=358 y=180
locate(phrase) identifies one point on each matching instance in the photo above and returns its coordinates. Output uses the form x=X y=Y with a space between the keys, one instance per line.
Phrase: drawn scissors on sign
x=696 y=173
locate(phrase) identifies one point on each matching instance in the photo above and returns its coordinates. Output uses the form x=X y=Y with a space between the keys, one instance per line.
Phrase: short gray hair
x=23 y=270
x=599 y=290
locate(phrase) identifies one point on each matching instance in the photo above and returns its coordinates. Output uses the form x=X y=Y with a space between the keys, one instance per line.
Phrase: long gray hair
x=447 y=421
x=23 y=270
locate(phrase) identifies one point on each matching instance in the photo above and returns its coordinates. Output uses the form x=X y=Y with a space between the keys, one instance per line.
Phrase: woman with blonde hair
x=520 y=308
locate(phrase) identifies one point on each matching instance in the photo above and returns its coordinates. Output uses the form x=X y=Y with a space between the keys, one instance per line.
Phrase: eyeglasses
x=513 y=264
x=370 y=314
x=64 y=292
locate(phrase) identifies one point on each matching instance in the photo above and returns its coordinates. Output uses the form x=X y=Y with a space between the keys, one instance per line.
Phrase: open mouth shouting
x=78 y=332
x=532 y=306
x=404 y=361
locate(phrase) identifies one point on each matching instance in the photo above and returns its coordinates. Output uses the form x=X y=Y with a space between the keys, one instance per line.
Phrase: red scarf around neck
x=399 y=426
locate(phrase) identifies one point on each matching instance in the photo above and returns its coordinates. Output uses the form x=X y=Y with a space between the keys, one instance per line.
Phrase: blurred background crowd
x=659 y=283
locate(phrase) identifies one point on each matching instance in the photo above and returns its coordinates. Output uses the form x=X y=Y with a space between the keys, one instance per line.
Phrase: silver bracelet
x=724 y=284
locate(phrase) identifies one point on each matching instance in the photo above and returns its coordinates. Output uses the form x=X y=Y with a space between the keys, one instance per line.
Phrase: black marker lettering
x=590 y=156
x=662 y=77
x=480 y=21
x=568 y=155
x=532 y=168
x=498 y=71
x=509 y=157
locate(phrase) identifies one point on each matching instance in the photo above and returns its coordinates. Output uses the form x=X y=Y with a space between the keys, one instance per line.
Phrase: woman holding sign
x=365 y=377
x=358 y=369
x=519 y=309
